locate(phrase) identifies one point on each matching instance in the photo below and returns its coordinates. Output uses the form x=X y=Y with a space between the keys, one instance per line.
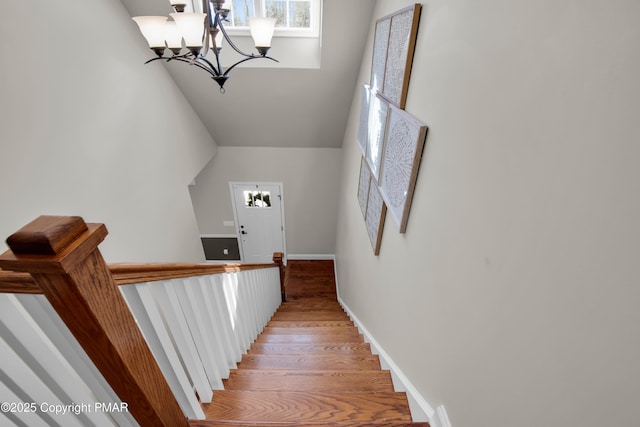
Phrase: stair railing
x=151 y=341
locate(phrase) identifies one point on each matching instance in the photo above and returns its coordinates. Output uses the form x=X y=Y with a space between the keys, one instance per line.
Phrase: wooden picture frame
x=405 y=140
x=363 y=186
x=378 y=114
x=375 y=216
x=394 y=45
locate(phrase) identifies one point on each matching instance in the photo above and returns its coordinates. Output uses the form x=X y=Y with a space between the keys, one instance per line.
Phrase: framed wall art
x=363 y=186
x=380 y=44
x=378 y=111
x=393 y=48
x=405 y=139
x=363 y=124
x=375 y=216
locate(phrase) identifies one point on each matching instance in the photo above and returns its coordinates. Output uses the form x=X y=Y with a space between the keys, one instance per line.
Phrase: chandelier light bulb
x=262 y=31
x=173 y=37
x=153 y=29
x=191 y=26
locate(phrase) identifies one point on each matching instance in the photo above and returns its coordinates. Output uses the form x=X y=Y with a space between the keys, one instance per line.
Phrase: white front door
x=259 y=220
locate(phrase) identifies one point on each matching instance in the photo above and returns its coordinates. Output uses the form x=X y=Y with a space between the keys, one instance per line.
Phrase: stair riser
x=294 y=362
x=317 y=349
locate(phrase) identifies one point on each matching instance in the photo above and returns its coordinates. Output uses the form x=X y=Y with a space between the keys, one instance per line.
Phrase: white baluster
x=176 y=323
x=149 y=319
x=54 y=328
x=200 y=329
x=31 y=419
x=216 y=288
x=212 y=327
x=45 y=361
x=30 y=385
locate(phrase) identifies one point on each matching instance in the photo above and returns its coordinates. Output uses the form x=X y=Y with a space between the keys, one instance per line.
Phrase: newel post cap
x=47 y=235
x=51 y=243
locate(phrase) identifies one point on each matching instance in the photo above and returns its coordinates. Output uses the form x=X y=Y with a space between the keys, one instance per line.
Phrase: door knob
x=243 y=232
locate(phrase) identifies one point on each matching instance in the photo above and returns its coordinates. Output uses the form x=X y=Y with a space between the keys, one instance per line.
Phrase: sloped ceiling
x=280 y=107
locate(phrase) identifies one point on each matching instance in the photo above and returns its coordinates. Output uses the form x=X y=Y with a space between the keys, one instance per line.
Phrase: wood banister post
x=61 y=253
x=278 y=258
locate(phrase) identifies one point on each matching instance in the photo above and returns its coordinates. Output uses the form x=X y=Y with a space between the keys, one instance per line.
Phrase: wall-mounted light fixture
x=202 y=32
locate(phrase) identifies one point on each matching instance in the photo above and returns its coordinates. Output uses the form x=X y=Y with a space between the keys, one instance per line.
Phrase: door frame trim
x=235 y=212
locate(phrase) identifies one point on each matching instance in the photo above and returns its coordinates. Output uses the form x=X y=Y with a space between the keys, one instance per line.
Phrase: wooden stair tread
x=226 y=423
x=327 y=348
x=310 y=380
x=310 y=361
x=296 y=406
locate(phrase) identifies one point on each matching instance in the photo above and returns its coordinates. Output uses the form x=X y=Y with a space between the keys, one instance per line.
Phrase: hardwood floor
x=310 y=367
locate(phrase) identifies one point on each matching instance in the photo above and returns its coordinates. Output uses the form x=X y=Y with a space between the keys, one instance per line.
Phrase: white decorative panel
x=403 y=150
x=377 y=123
x=363 y=127
x=363 y=187
x=380 y=54
x=376 y=211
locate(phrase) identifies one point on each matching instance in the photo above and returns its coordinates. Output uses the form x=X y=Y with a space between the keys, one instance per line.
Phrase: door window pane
x=257 y=199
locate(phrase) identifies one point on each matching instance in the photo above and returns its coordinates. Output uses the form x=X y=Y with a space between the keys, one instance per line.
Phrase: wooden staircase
x=309 y=367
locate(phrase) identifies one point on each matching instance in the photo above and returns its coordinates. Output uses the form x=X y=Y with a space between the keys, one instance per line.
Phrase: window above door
x=295 y=18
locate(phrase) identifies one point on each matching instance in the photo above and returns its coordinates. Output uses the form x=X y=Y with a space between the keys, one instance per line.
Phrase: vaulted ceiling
x=284 y=106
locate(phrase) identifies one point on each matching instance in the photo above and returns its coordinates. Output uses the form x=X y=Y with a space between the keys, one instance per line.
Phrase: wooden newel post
x=278 y=258
x=62 y=255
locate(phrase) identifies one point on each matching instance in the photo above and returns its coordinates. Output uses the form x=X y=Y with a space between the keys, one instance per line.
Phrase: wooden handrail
x=130 y=273
x=12 y=282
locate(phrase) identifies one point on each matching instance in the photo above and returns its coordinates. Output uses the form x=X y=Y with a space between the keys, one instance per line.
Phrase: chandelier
x=202 y=32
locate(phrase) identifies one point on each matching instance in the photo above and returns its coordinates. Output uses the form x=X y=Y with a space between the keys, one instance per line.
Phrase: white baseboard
x=420 y=409
x=441 y=419
x=315 y=257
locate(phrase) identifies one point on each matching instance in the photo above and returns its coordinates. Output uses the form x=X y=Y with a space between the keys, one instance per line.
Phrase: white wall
x=512 y=298
x=87 y=129
x=310 y=178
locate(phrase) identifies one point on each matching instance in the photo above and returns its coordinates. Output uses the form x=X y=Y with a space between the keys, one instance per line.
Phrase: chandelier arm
x=217 y=70
x=154 y=59
x=184 y=56
x=212 y=70
x=248 y=58
x=228 y=39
